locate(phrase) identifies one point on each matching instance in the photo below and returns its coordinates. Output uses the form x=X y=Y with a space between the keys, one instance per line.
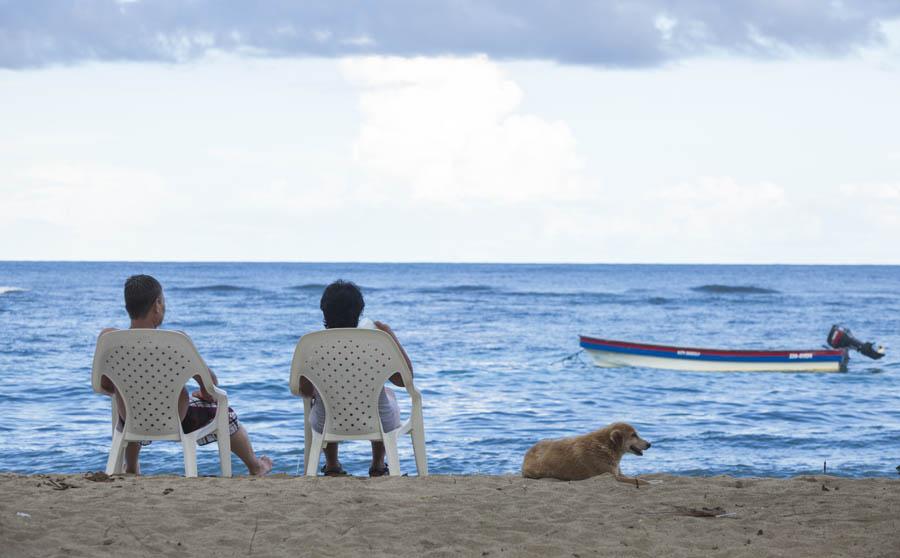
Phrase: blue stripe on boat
x=720 y=358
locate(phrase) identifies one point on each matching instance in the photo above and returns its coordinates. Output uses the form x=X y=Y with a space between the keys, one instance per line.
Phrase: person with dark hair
x=342 y=303
x=141 y=293
x=146 y=306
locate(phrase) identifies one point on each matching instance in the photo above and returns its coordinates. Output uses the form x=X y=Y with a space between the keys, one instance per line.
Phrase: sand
x=69 y=515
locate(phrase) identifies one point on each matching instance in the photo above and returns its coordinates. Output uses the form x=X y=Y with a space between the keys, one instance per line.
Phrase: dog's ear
x=618 y=439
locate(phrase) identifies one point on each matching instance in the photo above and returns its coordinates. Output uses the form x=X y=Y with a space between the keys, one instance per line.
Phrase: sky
x=492 y=131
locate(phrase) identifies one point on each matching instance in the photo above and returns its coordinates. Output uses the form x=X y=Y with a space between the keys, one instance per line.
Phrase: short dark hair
x=342 y=303
x=141 y=291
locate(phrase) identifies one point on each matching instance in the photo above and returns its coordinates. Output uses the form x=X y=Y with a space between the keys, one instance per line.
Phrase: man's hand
x=202 y=395
x=396 y=379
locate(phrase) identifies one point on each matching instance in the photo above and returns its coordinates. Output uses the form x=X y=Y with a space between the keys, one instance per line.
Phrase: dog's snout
x=648 y=445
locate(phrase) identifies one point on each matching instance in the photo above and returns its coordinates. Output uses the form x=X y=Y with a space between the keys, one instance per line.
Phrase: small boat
x=609 y=353
x=613 y=354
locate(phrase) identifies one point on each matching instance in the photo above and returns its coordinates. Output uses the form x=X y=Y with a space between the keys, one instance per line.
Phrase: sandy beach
x=69 y=515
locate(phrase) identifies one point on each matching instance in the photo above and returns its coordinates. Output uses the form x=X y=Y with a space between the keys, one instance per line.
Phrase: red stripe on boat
x=719 y=352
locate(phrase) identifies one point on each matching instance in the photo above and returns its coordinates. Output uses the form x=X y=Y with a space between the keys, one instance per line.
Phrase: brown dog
x=586 y=456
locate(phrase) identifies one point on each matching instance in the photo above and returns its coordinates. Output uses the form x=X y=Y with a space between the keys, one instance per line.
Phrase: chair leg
x=307 y=433
x=190 y=456
x=393 y=455
x=115 y=464
x=418 y=441
x=223 y=436
x=120 y=461
x=224 y=442
x=307 y=444
x=315 y=451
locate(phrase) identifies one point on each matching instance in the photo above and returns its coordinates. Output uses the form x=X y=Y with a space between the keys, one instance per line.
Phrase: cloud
x=83 y=195
x=451 y=130
x=873 y=192
x=44 y=32
x=711 y=206
x=876 y=204
x=707 y=219
x=87 y=210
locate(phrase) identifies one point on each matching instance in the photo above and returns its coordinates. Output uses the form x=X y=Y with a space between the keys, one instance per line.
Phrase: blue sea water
x=488 y=344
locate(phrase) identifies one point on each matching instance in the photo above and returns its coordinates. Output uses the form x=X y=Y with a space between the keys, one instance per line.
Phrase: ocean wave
x=733 y=289
x=10 y=290
x=484 y=289
x=563 y=294
x=457 y=289
x=197 y=323
x=319 y=287
x=456 y=372
x=313 y=287
x=214 y=289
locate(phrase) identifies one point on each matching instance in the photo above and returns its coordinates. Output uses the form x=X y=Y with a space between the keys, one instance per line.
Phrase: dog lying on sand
x=582 y=457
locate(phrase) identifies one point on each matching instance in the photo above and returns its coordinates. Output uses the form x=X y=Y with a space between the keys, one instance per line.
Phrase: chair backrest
x=348 y=367
x=149 y=369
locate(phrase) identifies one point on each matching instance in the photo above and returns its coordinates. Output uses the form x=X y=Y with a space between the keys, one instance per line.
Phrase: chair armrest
x=221 y=398
x=295 y=385
x=413 y=392
x=97 y=385
x=219 y=394
x=98 y=388
x=414 y=395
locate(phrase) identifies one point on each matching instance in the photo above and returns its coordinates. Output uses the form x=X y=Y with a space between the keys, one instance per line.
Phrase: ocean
x=489 y=345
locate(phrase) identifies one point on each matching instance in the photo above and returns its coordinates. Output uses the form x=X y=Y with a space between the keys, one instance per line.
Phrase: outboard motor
x=840 y=337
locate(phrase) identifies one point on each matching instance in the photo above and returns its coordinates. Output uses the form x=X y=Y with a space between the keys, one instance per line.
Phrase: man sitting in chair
x=146 y=307
x=341 y=304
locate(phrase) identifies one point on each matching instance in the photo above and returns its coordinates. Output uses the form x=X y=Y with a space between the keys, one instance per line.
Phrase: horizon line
x=469 y=262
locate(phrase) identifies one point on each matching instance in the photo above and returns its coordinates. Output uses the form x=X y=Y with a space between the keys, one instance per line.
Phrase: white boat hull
x=611 y=353
x=608 y=359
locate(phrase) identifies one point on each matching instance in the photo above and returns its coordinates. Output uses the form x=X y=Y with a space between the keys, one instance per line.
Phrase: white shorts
x=388 y=409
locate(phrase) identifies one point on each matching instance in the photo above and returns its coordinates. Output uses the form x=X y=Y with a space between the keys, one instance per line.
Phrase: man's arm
x=396 y=379
x=105 y=383
x=203 y=393
x=306 y=387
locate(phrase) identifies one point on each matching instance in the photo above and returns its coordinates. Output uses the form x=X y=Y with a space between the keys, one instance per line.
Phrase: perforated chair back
x=349 y=367
x=149 y=369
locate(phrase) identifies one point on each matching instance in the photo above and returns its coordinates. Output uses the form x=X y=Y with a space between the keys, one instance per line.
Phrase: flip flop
x=373 y=472
x=339 y=472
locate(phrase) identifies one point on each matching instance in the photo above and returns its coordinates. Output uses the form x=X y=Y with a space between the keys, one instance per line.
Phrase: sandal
x=373 y=472
x=339 y=472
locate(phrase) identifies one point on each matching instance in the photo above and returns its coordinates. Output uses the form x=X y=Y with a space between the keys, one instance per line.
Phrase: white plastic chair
x=149 y=369
x=349 y=367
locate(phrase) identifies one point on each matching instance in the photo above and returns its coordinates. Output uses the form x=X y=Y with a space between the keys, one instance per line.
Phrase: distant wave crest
x=198 y=323
x=485 y=289
x=7 y=290
x=587 y=295
x=319 y=287
x=733 y=289
x=214 y=288
x=457 y=289
x=316 y=287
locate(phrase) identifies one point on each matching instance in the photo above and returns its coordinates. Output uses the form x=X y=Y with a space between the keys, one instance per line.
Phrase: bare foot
x=263 y=466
